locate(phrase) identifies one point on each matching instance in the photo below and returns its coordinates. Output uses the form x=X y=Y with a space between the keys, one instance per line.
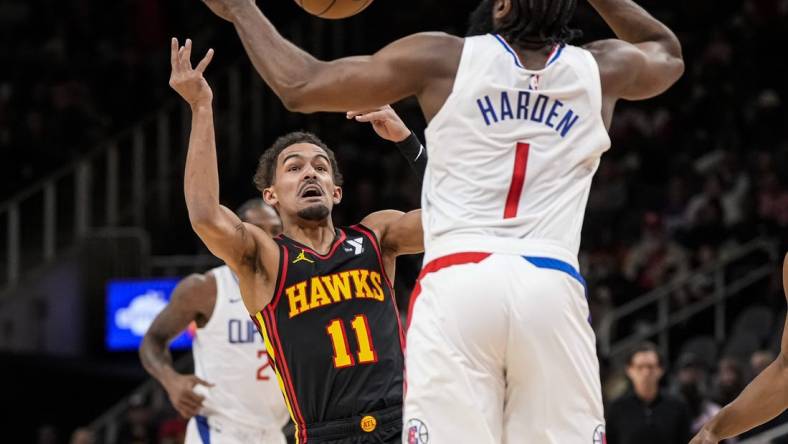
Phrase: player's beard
x=314 y=213
x=480 y=21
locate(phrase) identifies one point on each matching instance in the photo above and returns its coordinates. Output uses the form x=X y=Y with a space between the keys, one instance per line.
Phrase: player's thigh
x=553 y=390
x=455 y=352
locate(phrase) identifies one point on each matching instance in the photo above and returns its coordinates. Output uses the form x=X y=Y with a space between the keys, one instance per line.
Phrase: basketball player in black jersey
x=320 y=295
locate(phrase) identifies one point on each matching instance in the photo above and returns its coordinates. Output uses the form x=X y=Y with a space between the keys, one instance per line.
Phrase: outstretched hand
x=385 y=122
x=189 y=82
x=182 y=396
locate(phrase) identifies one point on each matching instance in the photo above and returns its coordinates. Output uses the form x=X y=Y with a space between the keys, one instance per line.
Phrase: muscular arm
x=645 y=60
x=762 y=400
x=404 y=68
x=399 y=233
x=192 y=300
x=219 y=228
x=246 y=248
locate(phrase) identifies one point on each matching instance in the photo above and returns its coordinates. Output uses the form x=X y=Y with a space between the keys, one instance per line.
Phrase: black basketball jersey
x=332 y=330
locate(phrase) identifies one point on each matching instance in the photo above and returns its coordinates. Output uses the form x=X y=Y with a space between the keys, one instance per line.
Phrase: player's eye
x=321 y=168
x=293 y=168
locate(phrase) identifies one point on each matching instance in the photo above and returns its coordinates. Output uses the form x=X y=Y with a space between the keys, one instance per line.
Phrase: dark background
x=75 y=73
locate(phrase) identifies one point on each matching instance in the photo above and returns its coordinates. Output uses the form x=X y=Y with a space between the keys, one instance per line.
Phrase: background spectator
x=691 y=384
x=646 y=414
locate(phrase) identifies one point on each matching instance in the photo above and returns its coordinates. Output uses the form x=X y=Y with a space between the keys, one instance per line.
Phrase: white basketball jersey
x=229 y=353
x=512 y=153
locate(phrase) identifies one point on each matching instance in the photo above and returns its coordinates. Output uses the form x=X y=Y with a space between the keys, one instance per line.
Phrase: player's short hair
x=645 y=347
x=539 y=22
x=266 y=166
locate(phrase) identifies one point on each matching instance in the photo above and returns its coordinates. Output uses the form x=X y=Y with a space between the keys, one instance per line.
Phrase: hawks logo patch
x=417 y=432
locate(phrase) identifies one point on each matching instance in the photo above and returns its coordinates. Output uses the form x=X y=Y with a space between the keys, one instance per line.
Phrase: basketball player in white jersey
x=233 y=395
x=499 y=347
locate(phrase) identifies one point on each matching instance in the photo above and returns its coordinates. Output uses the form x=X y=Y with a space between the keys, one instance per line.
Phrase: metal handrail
x=659 y=293
x=768 y=436
x=661 y=298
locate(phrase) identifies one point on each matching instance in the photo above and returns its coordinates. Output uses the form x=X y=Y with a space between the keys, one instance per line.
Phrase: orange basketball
x=333 y=9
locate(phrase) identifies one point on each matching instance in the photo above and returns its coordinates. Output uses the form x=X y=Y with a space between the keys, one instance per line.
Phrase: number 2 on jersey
x=518 y=180
x=366 y=351
x=261 y=376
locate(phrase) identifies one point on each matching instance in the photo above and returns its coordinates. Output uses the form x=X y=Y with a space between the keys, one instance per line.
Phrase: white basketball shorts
x=214 y=430
x=500 y=350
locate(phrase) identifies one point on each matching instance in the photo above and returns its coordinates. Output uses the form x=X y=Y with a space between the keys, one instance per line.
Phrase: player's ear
x=269 y=196
x=501 y=9
x=337 y=195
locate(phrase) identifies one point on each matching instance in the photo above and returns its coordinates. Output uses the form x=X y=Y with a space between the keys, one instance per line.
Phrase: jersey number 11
x=366 y=351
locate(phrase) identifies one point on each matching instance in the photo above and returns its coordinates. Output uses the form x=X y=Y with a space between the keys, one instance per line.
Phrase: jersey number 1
x=518 y=180
x=366 y=351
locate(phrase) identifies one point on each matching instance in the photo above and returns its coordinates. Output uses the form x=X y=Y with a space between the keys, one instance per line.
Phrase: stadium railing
x=131 y=179
x=726 y=285
x=768 y=436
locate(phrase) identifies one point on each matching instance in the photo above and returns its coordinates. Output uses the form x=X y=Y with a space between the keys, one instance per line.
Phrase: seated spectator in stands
x=83 y=435
x=646 y=415
x=772 y=200
x=760 y=360
x=656 y=259
x=137 y=427
x=691 y=385
x=730 y=381
x=47 y=434
x=707 y=227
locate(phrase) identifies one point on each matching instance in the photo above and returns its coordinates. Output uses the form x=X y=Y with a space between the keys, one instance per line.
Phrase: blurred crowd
x=73 y=73
x=147 y=418
x=692 y=174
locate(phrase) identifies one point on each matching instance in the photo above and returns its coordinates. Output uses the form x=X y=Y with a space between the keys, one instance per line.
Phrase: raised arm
x=646 y=58
x=404 y=68
x=192 y=300
x=238 y=244
x=399 y=233
x=762 y=400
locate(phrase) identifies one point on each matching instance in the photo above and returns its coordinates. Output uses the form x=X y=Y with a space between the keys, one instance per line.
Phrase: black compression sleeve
x=415 y=154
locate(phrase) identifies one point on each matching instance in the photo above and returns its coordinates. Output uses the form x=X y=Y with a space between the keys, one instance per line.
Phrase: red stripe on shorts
x=439 y=264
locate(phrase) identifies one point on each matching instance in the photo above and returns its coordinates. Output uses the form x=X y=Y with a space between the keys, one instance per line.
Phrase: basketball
x=333 y=9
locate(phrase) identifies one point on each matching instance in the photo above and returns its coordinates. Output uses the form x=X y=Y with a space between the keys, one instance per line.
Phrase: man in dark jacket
x=645 y=414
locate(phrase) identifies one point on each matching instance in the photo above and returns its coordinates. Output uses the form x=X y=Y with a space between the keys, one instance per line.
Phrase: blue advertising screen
x=131 y=307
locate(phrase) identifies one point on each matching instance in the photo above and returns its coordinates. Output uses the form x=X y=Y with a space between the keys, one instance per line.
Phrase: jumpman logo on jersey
x=302 y=257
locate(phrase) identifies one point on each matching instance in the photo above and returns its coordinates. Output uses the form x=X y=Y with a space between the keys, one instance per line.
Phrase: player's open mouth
x=311 y=191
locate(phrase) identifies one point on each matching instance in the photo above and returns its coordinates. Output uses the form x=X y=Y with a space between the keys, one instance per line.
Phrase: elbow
x=201 y=225
x=298 y=93
x=203 y=212
x=296 y=100
x=678 y=68
x=202 y=221
x=675 y=55
x=292 y=101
